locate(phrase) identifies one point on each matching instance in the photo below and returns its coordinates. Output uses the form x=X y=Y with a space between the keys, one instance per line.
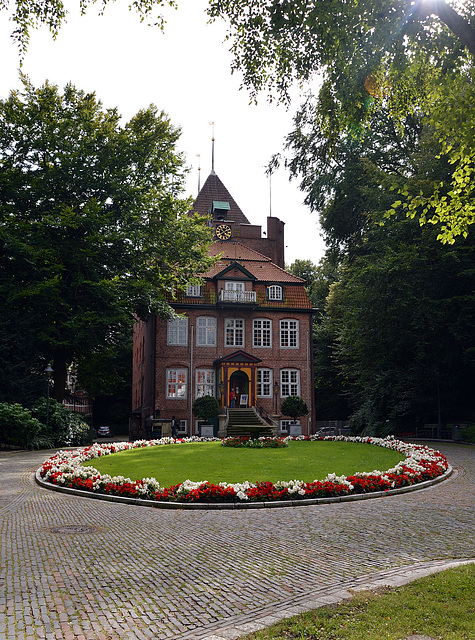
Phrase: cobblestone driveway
x=76 y=568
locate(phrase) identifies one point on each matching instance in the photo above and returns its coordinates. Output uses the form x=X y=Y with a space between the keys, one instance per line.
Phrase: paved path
x=76 y=568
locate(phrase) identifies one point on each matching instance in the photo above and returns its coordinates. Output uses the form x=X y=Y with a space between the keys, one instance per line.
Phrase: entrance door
x=239 y=384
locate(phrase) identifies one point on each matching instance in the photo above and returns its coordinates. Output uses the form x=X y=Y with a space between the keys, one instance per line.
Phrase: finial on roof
x=212 y=151
x=199 y=173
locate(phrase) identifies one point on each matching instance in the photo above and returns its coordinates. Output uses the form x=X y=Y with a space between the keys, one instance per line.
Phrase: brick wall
x=192 y=357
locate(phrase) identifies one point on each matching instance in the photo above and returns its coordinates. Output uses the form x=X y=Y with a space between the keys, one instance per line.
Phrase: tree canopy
x=398 y=321
x=31 y=14
x=93 y=231
x=410 y=57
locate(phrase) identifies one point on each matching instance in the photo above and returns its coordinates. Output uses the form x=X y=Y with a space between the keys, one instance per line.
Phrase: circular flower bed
x=65 y=469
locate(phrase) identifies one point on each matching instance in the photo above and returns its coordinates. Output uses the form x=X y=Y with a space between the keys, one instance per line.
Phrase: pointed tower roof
x=214 y=190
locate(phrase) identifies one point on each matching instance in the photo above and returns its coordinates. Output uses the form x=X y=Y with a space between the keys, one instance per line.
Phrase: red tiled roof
x=214 y=189
x=261 y=267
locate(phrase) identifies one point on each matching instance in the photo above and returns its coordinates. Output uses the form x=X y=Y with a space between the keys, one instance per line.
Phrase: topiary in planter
x=294 y=407
x=205 y=407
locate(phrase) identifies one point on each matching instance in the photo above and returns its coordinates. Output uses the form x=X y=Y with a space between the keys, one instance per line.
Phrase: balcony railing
x=237 y=296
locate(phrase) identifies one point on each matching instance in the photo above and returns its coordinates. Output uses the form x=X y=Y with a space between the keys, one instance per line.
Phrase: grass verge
x=441 y=606
x=307 y=461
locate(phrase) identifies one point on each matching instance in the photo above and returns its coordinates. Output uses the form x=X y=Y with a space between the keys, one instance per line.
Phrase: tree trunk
x=456 y=23
x=59 y=375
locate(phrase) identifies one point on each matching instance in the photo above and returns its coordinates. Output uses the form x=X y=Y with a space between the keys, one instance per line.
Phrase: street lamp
x=276 y=393
x=221 y=392
x=49 y=372
x=439 y=420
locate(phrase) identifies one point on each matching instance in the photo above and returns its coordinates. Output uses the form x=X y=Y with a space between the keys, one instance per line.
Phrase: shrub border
x=272 y=503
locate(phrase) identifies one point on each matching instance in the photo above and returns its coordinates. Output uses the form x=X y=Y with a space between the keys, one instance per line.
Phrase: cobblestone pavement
x=76 y=568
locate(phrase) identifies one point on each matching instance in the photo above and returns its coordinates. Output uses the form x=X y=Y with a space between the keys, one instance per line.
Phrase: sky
x=186 y=72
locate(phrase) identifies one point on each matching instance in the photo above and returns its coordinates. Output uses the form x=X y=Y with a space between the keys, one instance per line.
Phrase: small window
x=177 y=332
x=182 y=426
x=274 y=292
x=194 y=291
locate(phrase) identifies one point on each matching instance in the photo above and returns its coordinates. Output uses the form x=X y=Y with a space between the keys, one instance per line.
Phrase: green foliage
x=205 y=407
x=399 y=305
x=33 y=14
x=17 y=426
x=65 y=427
x=467 y=434
x=294 y=407
x=93 y=231
x=409 y=58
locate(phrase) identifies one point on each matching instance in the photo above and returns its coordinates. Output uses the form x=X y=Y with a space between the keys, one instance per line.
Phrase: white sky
x=185 y=72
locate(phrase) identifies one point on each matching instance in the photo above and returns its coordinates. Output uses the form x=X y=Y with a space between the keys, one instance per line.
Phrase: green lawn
x=439 y=606
x=307 y=461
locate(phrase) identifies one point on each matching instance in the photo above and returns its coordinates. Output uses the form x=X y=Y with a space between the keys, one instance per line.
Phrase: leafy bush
x=467 y=434
x=205 y=407
x=65 y=428
x=294 y=407
x=21 y=427
x=17 y=426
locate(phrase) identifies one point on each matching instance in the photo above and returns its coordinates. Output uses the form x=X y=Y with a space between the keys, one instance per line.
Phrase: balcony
x=240 y=297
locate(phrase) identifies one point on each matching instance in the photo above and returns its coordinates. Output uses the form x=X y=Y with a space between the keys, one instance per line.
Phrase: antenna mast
x=212 y=150
x=199 y=173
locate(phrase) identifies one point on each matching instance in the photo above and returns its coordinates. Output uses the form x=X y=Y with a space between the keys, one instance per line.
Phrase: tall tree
x=399 y=315
x=92 y=226
x=409 y=56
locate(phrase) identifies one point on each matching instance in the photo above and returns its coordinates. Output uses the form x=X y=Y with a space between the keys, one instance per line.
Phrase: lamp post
x=221 y=393
x=439 y=419
x=73 y=390
x=276 y=393
x=49 y=372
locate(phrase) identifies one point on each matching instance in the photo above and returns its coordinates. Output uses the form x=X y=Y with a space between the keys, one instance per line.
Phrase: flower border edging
x=241 y=505
x=63 y=470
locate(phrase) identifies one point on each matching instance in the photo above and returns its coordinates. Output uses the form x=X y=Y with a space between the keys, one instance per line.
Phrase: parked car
x=104 y=432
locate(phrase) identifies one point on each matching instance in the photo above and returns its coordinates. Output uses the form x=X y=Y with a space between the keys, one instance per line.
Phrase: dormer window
x=193 y=291
x=274 y=292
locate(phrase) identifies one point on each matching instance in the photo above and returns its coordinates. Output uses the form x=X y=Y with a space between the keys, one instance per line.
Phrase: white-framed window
x=289 y=334
x=274 y=292
x=182 y=426
x=205 y=382
x=261 y=333
x=286 y=425
x=177 y=383
x=289 y=383
x=234 y=285
x=234 y=332
x=177 y=332
x=194 y=291
x=264 y=383
x=206 y=332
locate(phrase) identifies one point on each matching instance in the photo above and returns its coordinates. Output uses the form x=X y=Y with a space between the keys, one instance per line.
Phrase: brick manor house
x=247 y=329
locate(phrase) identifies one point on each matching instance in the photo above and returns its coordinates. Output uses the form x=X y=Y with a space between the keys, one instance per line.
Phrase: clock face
x=223 y=231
